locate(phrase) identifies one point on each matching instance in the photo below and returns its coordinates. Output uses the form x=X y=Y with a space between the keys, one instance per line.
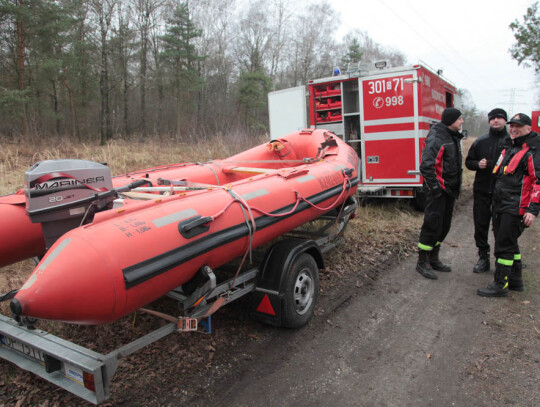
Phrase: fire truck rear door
x=287 y=111
x=390 y=128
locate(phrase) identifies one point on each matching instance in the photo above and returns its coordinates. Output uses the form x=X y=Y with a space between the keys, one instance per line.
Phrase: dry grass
x=120 y=156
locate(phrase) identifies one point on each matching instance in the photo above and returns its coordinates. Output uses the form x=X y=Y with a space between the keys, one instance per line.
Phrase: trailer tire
x=301 y=292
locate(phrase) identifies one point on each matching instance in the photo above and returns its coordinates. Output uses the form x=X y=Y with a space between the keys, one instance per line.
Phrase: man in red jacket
x=516 y=203
x=441 y=168
x=481 y=158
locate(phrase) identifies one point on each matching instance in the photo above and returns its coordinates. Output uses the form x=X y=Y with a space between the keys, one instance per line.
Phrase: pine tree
x=354 y=53
x=180 y=58
x=526 y=50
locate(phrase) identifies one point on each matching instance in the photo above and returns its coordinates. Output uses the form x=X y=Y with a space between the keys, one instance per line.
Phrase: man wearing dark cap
x=516 y=203
x=481 y=158
x=441 y=168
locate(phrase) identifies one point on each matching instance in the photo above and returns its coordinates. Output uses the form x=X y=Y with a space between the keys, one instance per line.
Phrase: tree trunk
x=105 y=123
x=127 y=128
x=74 y=121
x=144 y=62
x=55 y=107
x=21 y=46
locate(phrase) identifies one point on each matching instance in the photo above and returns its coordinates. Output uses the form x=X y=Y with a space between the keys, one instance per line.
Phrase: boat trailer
x=88 y=374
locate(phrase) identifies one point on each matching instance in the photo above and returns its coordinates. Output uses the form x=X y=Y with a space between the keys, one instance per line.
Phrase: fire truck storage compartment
x=386 y=115
x=351 y=113
x=326 y=102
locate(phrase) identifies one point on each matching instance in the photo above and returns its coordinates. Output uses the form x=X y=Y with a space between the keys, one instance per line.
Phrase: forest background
x=133 y=69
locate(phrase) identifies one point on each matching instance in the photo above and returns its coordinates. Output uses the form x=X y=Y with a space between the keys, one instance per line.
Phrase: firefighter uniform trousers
x=482 y=212
x=437 y=221
x=507 y=229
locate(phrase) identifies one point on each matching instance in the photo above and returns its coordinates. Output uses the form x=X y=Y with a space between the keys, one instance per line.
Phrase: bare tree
x=253 y=37
x=146 y=11
x=215 y=18
x=313 y=53
x=104 y=10
x=281 y=17
x=21 y=49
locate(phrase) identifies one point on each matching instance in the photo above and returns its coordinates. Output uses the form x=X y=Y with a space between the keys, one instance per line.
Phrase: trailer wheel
x=301 y=292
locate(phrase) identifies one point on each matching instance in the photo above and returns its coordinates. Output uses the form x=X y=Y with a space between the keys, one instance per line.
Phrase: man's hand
x=528 y=219
x=482 y=164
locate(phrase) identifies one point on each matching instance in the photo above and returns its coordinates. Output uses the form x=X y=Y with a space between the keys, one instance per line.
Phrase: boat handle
x=193 y=227
x=133 y=185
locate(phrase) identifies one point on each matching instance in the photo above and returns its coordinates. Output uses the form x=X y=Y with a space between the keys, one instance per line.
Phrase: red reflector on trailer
x=265 y=306
x=89 y=381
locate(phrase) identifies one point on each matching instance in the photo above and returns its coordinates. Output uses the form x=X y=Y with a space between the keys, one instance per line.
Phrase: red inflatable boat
x=135 y=253
x=22 y=238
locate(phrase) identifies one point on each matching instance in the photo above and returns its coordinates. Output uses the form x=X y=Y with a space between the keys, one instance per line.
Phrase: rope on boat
x=243 y=204
x=307 y=160
x=9 y=295
x=250 y=219
x=211 y=169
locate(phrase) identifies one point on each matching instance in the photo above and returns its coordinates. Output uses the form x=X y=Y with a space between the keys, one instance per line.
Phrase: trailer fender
x=268 y=296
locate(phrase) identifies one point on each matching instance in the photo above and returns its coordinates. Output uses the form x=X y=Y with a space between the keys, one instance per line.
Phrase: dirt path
x=405 y=341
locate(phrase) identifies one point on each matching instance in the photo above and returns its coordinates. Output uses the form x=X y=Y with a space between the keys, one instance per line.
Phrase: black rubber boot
x=515 y=280
x=498 y=287
x=436 y=263
x=423 y=265
x=482 y=264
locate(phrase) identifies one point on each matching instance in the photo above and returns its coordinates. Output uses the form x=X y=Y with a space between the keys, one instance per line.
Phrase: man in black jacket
x=441 y=168
x=481 y=158
x=516 y=203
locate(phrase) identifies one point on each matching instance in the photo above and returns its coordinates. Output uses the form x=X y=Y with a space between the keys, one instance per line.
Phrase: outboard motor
x=60 y=193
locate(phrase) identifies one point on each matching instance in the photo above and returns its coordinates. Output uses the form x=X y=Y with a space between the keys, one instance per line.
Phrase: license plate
x=22 y=348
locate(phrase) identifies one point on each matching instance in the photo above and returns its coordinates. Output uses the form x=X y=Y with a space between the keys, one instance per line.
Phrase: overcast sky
x=468 y=39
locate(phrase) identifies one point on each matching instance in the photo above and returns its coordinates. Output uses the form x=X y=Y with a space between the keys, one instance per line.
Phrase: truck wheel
x=301 y=292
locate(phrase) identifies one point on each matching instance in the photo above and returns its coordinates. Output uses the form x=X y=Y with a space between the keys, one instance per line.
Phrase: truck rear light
x=88 y=380
x=402 y=192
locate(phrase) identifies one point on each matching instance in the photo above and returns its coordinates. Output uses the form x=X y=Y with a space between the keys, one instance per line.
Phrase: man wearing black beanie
x=441 y=168
x=481 y=158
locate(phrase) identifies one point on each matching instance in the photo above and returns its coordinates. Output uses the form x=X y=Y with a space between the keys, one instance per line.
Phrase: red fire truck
x=385 y=112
